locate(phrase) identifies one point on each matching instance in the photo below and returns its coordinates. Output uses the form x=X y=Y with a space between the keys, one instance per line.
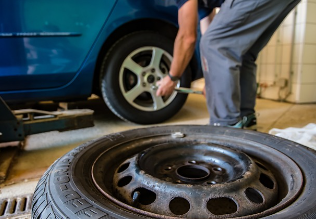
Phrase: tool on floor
x=183 y=90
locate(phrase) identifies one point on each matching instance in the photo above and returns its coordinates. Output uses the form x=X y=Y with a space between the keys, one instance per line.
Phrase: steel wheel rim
x=289 y=167
x=138 y=75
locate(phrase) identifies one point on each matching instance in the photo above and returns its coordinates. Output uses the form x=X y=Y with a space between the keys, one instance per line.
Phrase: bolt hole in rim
x=258 y=185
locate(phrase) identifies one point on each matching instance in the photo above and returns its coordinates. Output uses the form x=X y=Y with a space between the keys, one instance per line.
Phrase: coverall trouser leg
x=229 y=49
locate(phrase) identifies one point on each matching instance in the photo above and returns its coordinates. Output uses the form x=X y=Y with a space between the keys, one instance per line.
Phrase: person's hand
x=204 y=92
x=165 y=86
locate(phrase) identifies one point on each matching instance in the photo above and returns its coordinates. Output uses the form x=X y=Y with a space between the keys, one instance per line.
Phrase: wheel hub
x=177 y=180
x=138 y=73
x=150 y=78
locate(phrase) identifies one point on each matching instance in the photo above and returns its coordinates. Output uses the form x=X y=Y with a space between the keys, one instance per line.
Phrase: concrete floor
x=41 y=150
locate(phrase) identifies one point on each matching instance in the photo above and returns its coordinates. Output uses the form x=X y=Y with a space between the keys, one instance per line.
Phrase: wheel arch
x=167 y=29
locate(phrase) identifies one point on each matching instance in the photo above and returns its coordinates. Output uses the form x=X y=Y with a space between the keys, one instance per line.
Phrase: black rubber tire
x=109 y=79
x=67 y=190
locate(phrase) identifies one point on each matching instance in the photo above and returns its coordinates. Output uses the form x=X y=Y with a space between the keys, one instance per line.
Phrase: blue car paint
x=65 y=64
x=50 y=60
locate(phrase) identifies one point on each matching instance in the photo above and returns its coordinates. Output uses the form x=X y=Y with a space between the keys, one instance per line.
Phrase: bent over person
x=229 y=48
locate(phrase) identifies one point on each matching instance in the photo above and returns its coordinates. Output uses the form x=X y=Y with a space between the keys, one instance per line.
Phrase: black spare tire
x=129 y=74
x=181 y=172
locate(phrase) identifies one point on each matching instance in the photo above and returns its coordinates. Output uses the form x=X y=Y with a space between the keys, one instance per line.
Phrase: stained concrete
x=6 y=157
x=41 y=150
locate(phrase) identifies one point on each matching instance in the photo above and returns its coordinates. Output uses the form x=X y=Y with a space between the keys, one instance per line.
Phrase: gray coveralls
x=229 y=49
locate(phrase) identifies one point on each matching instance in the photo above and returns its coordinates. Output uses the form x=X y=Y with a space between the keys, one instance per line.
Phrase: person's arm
x=183 y=47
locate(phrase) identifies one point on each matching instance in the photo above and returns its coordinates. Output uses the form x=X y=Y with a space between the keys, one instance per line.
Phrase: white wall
x=287 y=65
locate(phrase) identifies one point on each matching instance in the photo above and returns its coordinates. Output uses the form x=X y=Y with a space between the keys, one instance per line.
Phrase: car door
x=44 y=43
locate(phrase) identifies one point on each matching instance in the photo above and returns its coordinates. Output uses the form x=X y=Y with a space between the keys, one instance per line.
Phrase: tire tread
x=42 y=207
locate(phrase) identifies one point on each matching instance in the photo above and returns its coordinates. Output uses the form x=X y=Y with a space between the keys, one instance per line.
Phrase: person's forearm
x=183 y=52
x=183 y=47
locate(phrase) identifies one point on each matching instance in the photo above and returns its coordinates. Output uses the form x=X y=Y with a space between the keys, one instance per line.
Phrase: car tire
x=80 y=184
x=129 y=73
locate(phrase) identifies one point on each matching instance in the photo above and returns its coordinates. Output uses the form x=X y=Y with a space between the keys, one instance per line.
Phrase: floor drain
x=16 y=206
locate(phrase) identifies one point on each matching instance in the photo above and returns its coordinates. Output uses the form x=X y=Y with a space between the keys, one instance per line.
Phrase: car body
x=53 y=50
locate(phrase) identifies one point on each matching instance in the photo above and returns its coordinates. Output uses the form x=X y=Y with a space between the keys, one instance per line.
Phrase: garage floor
x=41 y=150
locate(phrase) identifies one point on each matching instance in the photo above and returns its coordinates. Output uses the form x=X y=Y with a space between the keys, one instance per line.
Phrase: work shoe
x=250 y=122
x=238 y=125
x=247 y=122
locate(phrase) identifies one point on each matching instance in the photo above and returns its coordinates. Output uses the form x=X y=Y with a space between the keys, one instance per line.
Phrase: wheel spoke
x=158 y=102
x=156 y=57
x=134 y=93
x=132 y=66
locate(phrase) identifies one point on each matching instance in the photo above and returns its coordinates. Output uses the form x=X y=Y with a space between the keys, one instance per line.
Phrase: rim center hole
x=192 y=172
x=150 y=79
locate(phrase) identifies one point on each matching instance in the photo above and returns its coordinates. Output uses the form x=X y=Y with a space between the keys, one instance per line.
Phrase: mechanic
x=229 y=48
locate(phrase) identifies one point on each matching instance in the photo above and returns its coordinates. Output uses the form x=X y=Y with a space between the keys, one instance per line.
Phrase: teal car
x=67 y=50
